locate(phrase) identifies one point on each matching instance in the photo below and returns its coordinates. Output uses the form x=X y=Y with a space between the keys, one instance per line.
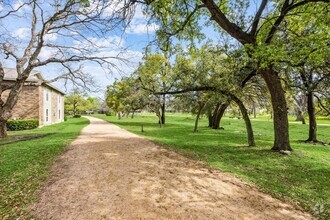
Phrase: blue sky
x=129 y=44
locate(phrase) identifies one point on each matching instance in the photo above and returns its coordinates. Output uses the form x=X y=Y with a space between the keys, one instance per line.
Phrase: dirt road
x=110 y=173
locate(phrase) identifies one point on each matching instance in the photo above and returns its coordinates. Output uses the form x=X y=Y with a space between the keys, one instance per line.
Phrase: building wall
x=27 y=106
x=32 y=104
x=52 y=108
x=61 y=107
x=57 y=107
x=41 y=104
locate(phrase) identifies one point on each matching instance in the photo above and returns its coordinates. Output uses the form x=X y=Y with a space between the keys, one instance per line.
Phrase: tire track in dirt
x=110 y=173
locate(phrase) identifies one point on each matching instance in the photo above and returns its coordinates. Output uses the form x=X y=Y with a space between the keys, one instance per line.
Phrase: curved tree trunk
x=281 y=124
x=219 y=114
x=246 y=118
x=214 y=114
x=312 y=118
x=197 y=116
x=210 y=118
x=7 y=106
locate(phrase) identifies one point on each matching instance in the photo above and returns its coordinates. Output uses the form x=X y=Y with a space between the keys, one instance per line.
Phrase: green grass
x=302 y=177
x=25 y=160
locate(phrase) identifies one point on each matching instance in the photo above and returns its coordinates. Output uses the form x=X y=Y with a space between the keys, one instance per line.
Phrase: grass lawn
x=302 y=177
x=25 y=160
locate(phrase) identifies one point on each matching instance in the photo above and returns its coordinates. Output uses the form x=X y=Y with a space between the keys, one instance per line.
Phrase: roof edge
x=53 y=87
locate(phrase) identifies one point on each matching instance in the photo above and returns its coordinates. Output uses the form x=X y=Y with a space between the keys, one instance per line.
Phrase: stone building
x=38 y=100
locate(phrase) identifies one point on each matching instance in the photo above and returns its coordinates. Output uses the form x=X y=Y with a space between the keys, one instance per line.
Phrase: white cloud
x=21 y=33
x=141 y=28
x=108 y=42
x=92 y=43
x=139 y=24
x=47 y=53
x=102 y=76
x=18 y=4
x=139 y=13
x=105 y=77
x=50 y=37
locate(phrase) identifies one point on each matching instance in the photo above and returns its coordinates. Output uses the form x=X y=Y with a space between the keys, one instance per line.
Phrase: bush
x=108 y=113
x=76 y=116
x=65 y=118
x=18 y=125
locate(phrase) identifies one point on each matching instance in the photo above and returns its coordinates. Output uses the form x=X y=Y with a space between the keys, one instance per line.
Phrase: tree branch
x=257 y=17
x=235 y=31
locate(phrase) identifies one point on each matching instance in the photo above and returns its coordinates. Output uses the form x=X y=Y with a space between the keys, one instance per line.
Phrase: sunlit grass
x=24 y=165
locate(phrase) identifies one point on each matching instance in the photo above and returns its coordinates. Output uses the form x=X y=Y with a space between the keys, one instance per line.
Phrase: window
x=46 y=114
x=59 y=99
x=46 y=95
x=59 y=114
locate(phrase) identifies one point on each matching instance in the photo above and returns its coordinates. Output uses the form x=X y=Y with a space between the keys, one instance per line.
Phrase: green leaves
x=124 y=95
x=76 y=103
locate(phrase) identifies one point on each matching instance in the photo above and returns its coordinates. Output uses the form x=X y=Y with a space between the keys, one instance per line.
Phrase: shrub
x=108 y=113
x=65 y=118
x=18 y=125
x=77 y=116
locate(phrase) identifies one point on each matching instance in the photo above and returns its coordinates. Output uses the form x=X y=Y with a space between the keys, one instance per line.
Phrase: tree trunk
x=303 y=121
x=217 y=118
x=247 y=121
x=163 y=110
x=7 y=107
x=281 y=124
x=312 y=118
x=210 y=118
x=163 y=113
x=74 y=109
x=119 y=115
x=219 y=114
x=198 y=115
x=160 y=120
x=300 y=117
x=214 y=114
x=133 y=114
x=254 y=110
x=3 y=128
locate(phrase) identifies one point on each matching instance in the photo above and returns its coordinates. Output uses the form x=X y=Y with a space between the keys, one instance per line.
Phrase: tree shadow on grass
x=22 y=137
x=137 y=124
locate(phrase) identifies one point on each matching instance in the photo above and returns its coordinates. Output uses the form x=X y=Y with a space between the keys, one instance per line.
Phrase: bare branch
x=13 y=11
x=321 y=105
x=257 y=17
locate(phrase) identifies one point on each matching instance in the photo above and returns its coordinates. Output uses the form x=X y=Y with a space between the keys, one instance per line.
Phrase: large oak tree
x=256 y=31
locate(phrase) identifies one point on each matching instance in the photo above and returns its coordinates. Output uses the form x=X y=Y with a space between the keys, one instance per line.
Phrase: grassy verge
x=25 y=159
x=302 y=177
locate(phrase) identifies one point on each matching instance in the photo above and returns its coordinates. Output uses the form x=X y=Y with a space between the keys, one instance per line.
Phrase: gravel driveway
x=110 y=173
